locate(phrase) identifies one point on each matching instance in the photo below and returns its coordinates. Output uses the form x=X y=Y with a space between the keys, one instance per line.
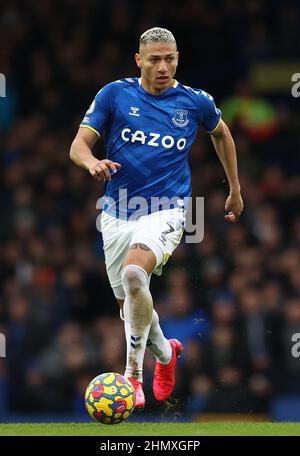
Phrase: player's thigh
x=141 y=255
x=161 y=232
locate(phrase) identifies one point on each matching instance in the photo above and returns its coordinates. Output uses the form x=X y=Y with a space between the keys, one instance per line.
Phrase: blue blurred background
x=234 y=299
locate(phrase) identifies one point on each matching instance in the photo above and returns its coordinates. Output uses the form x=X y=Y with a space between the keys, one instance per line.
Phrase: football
x=110 y=398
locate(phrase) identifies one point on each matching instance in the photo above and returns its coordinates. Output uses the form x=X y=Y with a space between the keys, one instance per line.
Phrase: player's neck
x=152 y=90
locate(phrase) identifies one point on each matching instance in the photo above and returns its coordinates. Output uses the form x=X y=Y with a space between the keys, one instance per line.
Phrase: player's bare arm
x=225 y=148
x=81 y=154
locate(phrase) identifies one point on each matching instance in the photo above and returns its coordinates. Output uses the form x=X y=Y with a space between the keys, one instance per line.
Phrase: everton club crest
x=180 y=118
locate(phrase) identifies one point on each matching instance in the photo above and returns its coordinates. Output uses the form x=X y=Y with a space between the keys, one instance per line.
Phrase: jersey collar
x=174 y=85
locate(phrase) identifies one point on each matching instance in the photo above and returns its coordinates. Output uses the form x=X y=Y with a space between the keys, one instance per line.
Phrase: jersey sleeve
x=210 y=115
x=97 y=116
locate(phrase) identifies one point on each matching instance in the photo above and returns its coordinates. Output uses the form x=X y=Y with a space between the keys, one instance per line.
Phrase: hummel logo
x=134 y=111
x=135 y=339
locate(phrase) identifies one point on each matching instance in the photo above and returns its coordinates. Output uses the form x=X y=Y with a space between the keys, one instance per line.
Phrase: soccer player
x=150 y=124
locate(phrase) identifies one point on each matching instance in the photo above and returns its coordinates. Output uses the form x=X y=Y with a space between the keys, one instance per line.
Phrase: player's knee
x=134 y=278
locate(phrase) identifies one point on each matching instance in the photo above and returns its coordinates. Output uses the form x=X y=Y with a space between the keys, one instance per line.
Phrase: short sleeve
x=97 y=116
x=210 y=115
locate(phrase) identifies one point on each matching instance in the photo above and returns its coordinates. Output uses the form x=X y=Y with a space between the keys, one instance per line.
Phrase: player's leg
x=138 y=309
x=117 y=235
x=156 y=342
x=165 y=352
x=116 y=240
x=162 y=231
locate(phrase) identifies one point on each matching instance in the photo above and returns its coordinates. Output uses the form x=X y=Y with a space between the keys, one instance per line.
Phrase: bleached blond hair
x=157 y=35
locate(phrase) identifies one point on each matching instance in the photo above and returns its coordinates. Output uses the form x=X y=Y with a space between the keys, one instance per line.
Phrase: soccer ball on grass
x=110 y=398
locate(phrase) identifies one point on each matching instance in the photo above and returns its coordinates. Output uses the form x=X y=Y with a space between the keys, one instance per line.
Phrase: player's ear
x=138 y=60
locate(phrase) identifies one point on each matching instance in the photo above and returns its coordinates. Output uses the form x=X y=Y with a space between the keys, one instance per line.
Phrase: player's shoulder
x=115 y=87
x=196 y=94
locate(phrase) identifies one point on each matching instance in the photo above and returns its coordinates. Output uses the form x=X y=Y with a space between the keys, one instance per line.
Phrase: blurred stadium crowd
x=233 y=299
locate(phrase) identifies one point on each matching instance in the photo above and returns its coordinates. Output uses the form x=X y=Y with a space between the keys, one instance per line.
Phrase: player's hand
x=234 y=206
x=100 y=169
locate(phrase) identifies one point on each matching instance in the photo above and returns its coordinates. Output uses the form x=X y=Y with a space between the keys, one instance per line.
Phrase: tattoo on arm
x=138 y=245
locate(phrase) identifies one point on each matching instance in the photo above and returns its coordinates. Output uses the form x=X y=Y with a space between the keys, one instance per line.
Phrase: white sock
x=138 y=308
x=157 y=343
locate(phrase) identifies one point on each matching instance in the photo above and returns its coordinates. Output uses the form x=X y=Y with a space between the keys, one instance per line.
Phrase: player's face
x=158 y=63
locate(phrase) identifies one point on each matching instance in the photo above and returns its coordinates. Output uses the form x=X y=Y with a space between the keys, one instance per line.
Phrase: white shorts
x=161 y=231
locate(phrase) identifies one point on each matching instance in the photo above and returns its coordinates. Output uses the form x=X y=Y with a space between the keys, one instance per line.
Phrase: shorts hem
x=154 y=247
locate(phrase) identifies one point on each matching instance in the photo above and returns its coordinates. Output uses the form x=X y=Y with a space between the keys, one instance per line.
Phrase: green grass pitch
x=151 y=429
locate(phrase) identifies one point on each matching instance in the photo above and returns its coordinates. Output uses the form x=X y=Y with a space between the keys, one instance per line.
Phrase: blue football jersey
x=150 y=136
